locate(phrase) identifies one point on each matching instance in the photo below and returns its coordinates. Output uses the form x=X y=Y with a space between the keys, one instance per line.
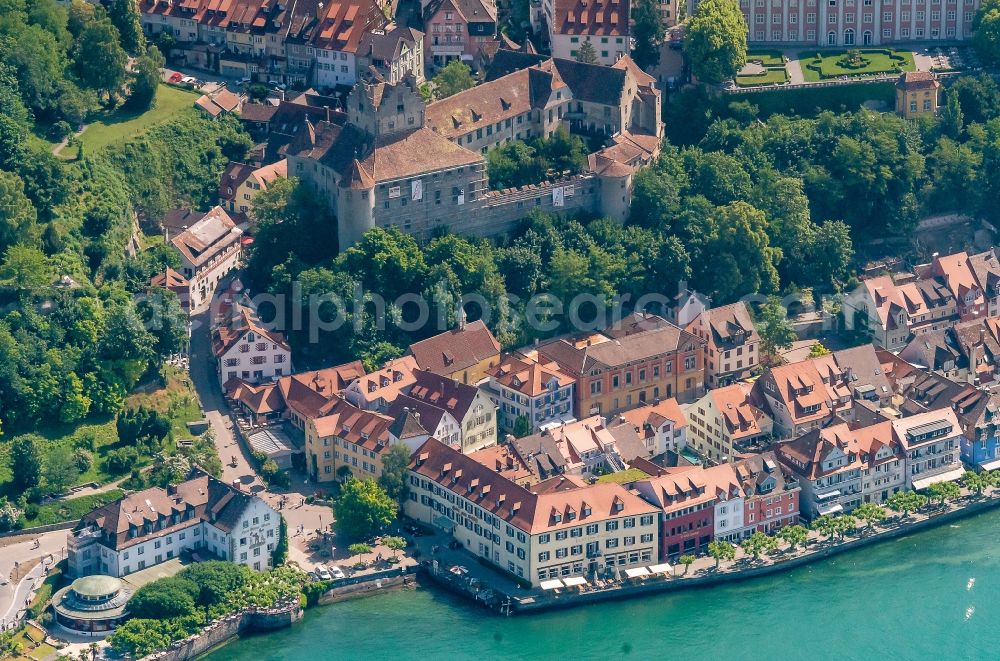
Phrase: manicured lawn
x=621 y=477
x=825 y=65
x=123 y=123
x=768 y=77
x=767 y=58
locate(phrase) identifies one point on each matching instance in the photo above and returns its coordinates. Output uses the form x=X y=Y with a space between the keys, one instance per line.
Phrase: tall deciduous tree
x=394 y=479
x=363 y=508
x=716 y=40
x=648 y=31
x=17 y=214
x=147 y=79
x=125 y=16
x=772 y=324
x=61 y=471
x=100 y=59
x=452 y=79
x=986 y=35
x=25 y=462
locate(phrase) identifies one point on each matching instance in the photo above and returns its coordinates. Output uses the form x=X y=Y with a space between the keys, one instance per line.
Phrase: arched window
x=831 y=38
x=866 y=38
x=848 y=37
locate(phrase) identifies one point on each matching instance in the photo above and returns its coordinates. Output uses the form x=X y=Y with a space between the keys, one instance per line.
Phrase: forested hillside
x=73 y=348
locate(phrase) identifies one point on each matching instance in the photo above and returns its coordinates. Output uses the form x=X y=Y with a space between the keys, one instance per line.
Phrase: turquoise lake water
x=932 y=595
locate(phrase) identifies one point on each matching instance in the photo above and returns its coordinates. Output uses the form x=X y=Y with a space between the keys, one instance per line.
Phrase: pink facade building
x=830 y=23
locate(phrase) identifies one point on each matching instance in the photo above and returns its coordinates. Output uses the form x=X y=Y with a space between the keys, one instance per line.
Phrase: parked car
x=191 y=81
x=337 y=572
x=176 y=77
x=323 y=573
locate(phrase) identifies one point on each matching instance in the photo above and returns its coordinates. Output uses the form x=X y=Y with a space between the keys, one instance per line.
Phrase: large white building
x=559 y=528
x=152 y=526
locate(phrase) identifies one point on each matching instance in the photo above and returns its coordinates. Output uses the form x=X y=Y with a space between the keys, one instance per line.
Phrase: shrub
x=83 y=460
x=165 y=598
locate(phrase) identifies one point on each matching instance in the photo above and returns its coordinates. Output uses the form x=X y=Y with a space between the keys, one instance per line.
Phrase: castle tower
x=355 y=205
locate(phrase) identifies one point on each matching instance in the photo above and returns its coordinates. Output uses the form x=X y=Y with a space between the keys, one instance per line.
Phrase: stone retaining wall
x=225 y=629
x=38 y=530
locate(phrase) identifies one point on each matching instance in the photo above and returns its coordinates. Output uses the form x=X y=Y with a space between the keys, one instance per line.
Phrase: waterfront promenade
x=500 y=592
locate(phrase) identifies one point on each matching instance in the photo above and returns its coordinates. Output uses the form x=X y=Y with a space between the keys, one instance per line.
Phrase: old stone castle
x=393 y=160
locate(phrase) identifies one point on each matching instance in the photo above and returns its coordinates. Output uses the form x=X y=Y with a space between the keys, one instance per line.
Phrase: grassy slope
x=176 y=399
x=122 y=124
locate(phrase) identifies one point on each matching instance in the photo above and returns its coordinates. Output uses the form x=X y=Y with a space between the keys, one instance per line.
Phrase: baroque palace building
x=829 y=23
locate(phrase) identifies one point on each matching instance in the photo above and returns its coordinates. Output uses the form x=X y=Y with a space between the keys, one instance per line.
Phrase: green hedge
x=809 y=101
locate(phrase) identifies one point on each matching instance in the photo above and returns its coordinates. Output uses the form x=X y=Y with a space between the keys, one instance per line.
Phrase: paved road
x=206 y=383
x=14 y=593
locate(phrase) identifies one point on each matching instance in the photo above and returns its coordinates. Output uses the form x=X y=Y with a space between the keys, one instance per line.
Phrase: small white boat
x=968 y=586
x=969 y=611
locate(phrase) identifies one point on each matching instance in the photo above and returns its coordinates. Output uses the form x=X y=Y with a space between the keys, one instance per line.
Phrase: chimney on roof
x=327 y=109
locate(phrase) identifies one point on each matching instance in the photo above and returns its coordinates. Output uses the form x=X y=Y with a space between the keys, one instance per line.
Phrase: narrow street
x=206 y=384
x=298 y=515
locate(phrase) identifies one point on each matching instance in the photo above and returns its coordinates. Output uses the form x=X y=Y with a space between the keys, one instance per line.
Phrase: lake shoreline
x=536 y=601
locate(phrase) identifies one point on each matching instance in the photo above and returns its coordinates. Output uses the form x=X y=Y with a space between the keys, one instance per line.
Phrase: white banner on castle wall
x=568 y=190
x=393 y=192
x=417 y=190
x=557 y=196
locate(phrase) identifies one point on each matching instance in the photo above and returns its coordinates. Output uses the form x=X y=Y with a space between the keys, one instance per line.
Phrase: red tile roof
x=456 y=350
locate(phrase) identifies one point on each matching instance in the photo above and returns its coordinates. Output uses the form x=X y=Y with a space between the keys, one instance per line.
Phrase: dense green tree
x=215 y=580
x=124 y=14
x=164 y=598
x=716 y=40
x=952 y=118
x=395 y=479
x=25 y=269
x=733 y=255
x=99 y=57
x=514 y=164
x=776 y=332
x=721 y=550
x=586 y=53
x=906 y=502
x=26 y=462
x=363 y=508
x=17 y=214
x=794 y=535
x=871 y=513
x=944 y=491
x=61 y=471
x=759 y=543
x=455 y=77
x=986 y=31
x=648 y=31
x=147 y=79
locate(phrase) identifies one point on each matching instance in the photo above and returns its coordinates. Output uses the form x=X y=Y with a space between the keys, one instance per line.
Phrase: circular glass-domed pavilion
x=92 y=605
